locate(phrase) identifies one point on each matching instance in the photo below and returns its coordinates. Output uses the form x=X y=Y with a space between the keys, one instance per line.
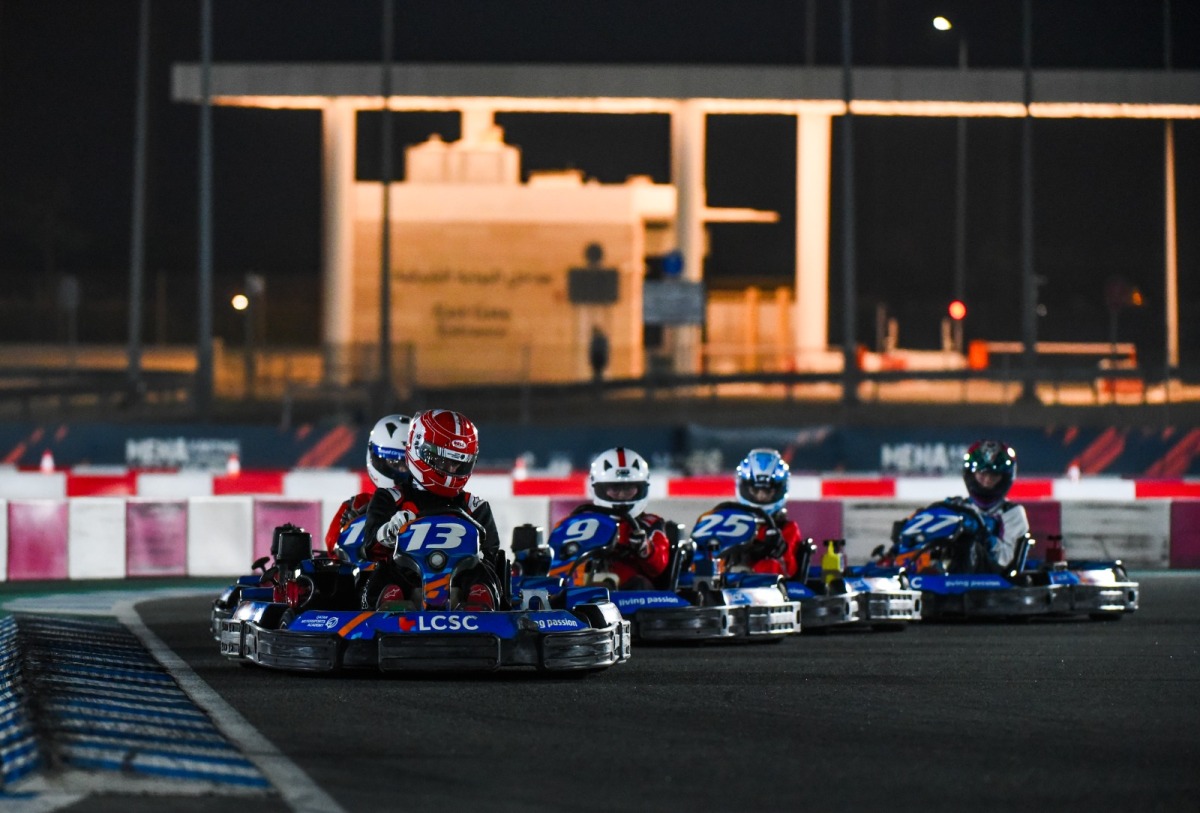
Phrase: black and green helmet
x=989 y=456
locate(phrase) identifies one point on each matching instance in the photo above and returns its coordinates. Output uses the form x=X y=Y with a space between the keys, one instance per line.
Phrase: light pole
x=960 y=188
x=385 y=390
x=137 y=238
x=1029 y=280
x=850 y=374
x=203 y=396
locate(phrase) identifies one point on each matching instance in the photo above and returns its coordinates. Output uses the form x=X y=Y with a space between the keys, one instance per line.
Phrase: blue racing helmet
x=762 y=480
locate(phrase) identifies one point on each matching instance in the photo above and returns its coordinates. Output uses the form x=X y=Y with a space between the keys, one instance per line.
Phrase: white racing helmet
x=386 y=450
x=620 y=479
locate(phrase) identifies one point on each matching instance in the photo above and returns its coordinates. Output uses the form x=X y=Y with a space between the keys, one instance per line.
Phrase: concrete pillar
x=783 y=344
x=338 y=152
x=476 y=124
x=688 y=150
x=813 y=155
x=751 y=339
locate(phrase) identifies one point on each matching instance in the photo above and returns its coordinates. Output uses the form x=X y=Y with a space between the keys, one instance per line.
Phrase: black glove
x=971 y=525
x=773 y=544
x=639 y=544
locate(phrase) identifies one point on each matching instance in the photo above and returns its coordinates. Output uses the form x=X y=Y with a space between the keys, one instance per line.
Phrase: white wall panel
x=868 y=524
x=220 y=535
x=331 y=487
x=928 y=490
x=1136 y=533
x=32 y=485
x=175 y=485
x=1096 y=488
x=513 y=511
x=96 y=538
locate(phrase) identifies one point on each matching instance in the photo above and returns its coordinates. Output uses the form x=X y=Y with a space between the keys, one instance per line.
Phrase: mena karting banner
x=1152 y=453
x=1159 y=453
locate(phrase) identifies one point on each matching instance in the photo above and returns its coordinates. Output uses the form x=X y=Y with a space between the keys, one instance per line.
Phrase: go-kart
x=686 y=603
x=304 y=613
x=869 y=597
x=940 y=546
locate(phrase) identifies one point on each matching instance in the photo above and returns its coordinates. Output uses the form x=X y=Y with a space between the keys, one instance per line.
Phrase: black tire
x=272 y=616
x=591 y=614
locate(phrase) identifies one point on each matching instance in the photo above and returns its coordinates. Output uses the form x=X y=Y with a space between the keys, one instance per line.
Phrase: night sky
x=67 y=90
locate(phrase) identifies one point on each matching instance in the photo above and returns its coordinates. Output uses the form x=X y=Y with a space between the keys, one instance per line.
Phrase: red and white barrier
x=119 y=537
x=333 y=485
x=114 y=523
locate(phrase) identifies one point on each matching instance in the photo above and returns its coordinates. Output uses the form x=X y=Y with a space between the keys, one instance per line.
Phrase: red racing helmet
x=442 y=449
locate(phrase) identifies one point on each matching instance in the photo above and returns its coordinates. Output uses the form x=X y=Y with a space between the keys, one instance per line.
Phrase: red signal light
x=957 y=310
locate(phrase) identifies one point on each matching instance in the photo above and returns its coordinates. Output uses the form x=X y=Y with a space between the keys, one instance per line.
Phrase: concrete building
x=470 y=221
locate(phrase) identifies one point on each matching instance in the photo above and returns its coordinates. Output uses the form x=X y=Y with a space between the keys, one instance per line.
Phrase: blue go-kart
x=863 y=597
x=939 y=546
x=302 y=612
x=690 y=601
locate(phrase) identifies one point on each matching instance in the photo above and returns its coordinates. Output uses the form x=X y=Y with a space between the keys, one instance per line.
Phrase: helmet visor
x=621 y=491
x=761 y=492
x=446 y=461
x=387 y=461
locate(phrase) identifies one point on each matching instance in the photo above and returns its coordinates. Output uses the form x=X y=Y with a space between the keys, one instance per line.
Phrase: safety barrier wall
x=332 y=485
x=120 y=537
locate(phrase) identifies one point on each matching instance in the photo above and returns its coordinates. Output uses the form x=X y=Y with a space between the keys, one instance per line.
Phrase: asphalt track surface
x=1054 y=716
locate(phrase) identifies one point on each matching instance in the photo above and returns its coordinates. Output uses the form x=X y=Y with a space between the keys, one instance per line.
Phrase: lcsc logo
x=439 y=623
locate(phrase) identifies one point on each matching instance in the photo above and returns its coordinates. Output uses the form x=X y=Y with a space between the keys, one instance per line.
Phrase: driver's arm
x=482 y=513
x=379 y=511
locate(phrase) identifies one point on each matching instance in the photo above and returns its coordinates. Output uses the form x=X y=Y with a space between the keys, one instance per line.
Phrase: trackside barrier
x=220 y=535
x=340 y=483
x=118 y=537
x=19 y=753
x=1185 y=534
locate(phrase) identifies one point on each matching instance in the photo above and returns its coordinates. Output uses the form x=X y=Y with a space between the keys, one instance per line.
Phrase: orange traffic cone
x=520 y=470
x=233 y=466
x=47 y=464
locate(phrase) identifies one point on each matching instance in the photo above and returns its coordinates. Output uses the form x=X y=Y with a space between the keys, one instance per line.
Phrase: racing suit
x=774 y=549
x=993 y=538
x=408 y=496
x=643 y=549
x=349 y=511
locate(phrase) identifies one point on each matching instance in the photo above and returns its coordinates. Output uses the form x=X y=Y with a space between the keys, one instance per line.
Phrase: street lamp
x=960 y=189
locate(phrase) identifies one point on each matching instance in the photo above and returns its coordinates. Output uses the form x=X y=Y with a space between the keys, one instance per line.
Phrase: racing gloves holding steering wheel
x=391 y=530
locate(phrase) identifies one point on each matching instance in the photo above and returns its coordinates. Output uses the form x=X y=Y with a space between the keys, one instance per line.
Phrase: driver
x=385 y=466
x=762 y=482
x=441 y=451
x=619 y=481
x=989 y=468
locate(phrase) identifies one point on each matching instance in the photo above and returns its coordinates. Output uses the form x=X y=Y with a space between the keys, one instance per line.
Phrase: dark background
x=67 y=93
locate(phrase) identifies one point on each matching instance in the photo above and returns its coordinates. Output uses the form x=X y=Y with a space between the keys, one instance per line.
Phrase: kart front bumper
x=748 y=622
x=219 y=614
x=864 y=609
x=591 y=648
x=890 y=606
x=1014 y=602
x=1097 y=600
